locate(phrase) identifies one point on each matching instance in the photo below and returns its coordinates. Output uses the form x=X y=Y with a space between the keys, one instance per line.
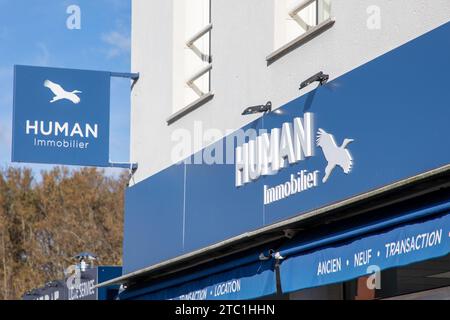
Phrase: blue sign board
x=402 y=246
x=380 y=123
x=84 y=289
x=247 y=282
x=61 y=116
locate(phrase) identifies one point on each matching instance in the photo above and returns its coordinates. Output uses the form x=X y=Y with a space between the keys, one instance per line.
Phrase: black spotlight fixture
x=319 y=77
x=264 y=108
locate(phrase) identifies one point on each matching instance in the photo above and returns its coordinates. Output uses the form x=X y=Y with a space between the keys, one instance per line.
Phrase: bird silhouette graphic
x=335 y=156
x=61 y=94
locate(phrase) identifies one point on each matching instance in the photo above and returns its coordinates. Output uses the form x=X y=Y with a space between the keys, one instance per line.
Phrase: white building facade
x=244 y=35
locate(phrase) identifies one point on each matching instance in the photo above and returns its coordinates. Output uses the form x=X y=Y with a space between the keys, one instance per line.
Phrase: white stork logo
x=61 y=94
x=335 y=156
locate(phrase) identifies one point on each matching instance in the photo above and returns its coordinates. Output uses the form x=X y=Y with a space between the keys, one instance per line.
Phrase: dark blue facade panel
x=214 y=211
x=105 y=273
x=153 y=229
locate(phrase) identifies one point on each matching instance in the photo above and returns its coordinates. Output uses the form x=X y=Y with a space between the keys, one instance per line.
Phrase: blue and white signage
x=286 y=146
x=82 y=288
x=61 y=116
x=247 y=282
x=402 y=246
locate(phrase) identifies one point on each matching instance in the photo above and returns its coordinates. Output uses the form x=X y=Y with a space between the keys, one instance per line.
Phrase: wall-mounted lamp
x=264 y=256
x=258 y=109
x=319 y=77
x=83 y=257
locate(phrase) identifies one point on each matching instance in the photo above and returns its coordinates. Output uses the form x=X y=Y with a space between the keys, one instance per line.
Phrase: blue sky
x=35 y=33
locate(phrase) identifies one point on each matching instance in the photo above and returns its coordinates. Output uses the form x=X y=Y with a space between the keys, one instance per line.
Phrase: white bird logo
x=61 y=94
x=335 y=156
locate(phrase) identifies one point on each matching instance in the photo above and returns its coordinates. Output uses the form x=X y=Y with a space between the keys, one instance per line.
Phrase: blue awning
x=416 y=241
x=336 y=257
x=243 y=282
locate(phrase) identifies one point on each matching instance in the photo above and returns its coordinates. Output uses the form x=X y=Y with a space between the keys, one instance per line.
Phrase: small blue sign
x=84 y=289
x=61 y=116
